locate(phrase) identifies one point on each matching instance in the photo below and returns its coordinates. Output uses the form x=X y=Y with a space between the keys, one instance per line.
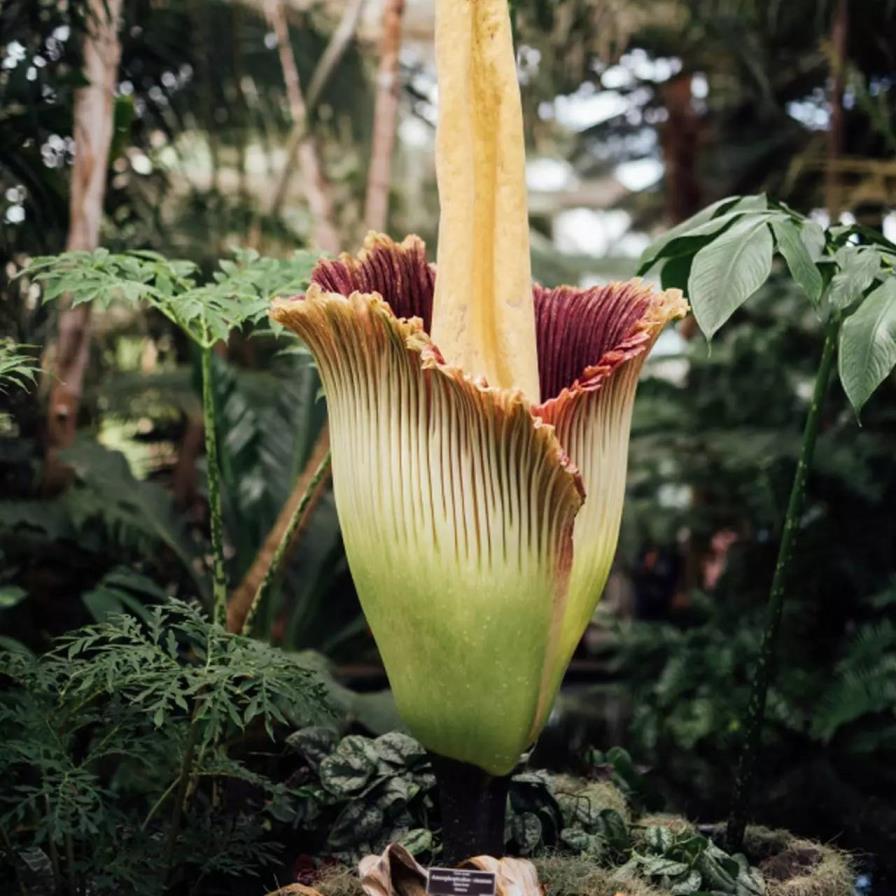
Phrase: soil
x=797 y=861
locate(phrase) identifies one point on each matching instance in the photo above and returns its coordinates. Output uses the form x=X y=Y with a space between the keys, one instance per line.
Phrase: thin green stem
x=158 y=803
x=274 y=569
x=219 y=580
x=765 y=667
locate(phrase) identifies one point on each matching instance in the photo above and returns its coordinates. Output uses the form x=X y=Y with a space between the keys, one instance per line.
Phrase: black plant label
x=459 y=882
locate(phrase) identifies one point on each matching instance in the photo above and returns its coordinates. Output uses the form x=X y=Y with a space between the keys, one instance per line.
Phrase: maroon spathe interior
x=400 y=274
x=574 y=327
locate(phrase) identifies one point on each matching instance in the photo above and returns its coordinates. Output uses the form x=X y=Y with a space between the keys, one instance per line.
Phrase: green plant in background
x=164 y=686
x=17 y=368
x=238 y=294
x=119 y=752
x=722 y=256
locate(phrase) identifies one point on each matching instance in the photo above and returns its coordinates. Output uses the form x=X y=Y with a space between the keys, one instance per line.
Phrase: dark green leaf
x=346 y=771
x=394 y=794
x=676 y=271
x=357 y=823
x=417 y=841
x=315 y=743
x=525 y=829
x=399 y=749
x=614 y=829
x=658 y=838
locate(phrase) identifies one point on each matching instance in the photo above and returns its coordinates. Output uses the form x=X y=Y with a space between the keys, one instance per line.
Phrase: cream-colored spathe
x=479 y=528
x=483 y=314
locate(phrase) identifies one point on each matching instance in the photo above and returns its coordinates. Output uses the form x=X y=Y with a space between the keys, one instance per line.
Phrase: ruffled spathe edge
x=417 y=341
x=403 y=278
x=661 y=308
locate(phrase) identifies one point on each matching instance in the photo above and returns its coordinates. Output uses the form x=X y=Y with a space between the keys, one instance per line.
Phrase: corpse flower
x=479 y=425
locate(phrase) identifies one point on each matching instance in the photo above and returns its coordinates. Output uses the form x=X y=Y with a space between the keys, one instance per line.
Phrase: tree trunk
x=241 y=600
x=93 y=123
x=385 y=116
x=839 y=31
x=317 y=190
x=680 y=138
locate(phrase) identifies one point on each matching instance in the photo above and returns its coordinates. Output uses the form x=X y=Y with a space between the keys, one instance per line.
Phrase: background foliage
x=720 y=98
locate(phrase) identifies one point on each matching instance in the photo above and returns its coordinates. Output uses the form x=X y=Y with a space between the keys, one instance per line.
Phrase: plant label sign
x=459 y=882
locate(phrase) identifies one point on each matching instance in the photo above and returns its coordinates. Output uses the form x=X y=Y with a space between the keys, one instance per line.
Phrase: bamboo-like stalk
x=213 y=475
x=385 y=116
x=283 y=532
x=317 y=189
x=296 y=520
x=765 y=667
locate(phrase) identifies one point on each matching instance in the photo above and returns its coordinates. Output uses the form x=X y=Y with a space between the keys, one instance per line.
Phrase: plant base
x=473 y=804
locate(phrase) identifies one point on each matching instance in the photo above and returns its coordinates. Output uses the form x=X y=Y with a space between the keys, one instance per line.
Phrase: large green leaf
x=706 y=222
x=858 y=268
x=122 y=591
x=728 y=271
x=802 y=267
x=868 y=344
x=813 y=237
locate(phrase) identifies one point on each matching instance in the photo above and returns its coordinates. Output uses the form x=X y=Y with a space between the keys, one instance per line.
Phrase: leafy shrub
x=121 y=753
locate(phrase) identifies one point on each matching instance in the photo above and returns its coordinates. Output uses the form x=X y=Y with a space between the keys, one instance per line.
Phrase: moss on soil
x=579 y=876
x=791 y=866
x=599 y=794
